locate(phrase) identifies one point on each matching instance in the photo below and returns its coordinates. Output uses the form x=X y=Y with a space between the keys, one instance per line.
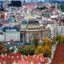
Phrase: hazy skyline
x=33 y=0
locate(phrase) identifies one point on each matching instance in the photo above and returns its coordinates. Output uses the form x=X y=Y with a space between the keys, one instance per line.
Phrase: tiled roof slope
x=59 y=55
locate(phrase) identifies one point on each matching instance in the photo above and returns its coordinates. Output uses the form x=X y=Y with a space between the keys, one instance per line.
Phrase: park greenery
x=44 y=48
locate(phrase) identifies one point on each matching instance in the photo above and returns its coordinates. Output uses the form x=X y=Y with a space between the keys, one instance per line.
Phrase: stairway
x=59 y=55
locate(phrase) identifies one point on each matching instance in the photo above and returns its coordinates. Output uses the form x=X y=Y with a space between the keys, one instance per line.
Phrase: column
x=27 y=37
x=39 y=34
x=23 y=38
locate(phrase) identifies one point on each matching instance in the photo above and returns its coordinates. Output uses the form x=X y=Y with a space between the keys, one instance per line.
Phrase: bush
x=45 y=50
x=3 y=48
x=26 y=50
x=59 y=39
x=39 y=49
x=47 y=41
x=10 y=50
x=47 y=54
x=31 y=50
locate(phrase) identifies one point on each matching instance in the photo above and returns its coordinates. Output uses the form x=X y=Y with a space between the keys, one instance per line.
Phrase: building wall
x=30 y=34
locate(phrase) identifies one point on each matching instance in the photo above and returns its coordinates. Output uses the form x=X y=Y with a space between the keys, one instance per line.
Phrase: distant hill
x=57 y=1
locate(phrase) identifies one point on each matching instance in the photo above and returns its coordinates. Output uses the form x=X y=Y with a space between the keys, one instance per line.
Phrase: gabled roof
x=30 y=22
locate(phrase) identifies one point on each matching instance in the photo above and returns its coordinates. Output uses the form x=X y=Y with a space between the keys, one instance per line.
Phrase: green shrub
x=26 y=50
x=47 y=54
x=59 y=39
x=45 y=50
x=39 y=50
x=10 y=50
